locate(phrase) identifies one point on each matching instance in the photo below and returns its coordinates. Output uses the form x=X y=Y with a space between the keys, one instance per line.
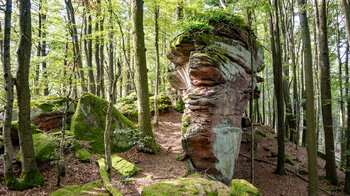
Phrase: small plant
x=125 y=180
x=170 y=169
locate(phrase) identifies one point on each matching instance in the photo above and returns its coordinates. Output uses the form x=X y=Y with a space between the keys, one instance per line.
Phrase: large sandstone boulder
x=89 y=121
x=212 y=69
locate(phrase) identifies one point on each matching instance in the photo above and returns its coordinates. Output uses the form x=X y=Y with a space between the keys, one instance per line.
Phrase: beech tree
x=310 y=99
x=30 y=176
x=144 y=115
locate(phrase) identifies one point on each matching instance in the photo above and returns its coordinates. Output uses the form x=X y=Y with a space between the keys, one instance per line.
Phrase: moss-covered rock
x=106 y=180
x=89 y=121
x=195 y=185
x=128 y=105
x=83 y=155
x=44 y=148
x=92 y=188
x=241 y=187
x=123 y=166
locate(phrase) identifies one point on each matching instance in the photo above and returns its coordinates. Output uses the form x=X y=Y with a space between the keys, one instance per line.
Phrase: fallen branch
x=105 y=179
x=289 y=170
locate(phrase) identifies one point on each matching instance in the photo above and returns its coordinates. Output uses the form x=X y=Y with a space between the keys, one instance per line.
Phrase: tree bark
x=144 y=114
x=75 y=41
x=10 y=179
x=310 y=100
x=102 y=58
x=30 y=173
x=278 y=84
x=156 y=39
x=88 y=50
x=347 y=172
x=326 y=94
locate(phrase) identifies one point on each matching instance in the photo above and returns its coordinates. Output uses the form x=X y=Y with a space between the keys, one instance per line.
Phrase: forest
x=174 y=97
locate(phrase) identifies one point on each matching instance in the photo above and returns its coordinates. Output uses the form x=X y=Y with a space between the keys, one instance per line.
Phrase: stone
x=83 y=155
x=44 y=148
x=200 y=185
x=89 y=121
x=92 y=188
x=213 y=72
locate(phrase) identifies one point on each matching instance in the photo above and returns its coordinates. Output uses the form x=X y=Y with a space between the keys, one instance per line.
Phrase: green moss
x=88 y=123
x=28 y=180
x=195 y=185
x=44 y=148
x=179 y=39
x=49 y=103
x=186 y=120
x=288 y=160
x=83 y=155
x=241 y=187
x=105 y=178
x=123 y=166
x=11 y=180
x=92 y=188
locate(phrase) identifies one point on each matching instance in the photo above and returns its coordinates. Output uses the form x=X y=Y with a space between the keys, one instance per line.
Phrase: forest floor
x=156 y=168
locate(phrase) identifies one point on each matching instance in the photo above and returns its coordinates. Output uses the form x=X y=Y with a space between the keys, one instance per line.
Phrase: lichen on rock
x=212 y=62
x=89 y=121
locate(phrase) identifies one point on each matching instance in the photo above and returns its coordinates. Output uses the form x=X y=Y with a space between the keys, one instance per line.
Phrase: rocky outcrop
x=89 y=121
x=212 y=68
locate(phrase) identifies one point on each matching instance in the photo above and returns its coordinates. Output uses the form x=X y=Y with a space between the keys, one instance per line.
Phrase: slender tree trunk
x=38 y=52
x=88 y=50
x=347 y=172
x=75 y=41
x=102 y=59
x=97 y=55
x=326 y=95
x=156 y=39
x=144 y=114
x=30 y=173
x=10 y=179
x=179 y=10
x=310 y=100
x=341 y=98
x=278 y=83
x=112 y=92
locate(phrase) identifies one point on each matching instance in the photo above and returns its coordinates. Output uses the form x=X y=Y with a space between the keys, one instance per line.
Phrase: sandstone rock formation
x=213 y=71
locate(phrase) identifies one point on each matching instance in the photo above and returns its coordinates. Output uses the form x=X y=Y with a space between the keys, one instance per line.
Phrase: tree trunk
x=38 y=51
x=347 y=172
x=278 y=84
x=10 y=179
x=326 y=95
x=75 y=41
x=97 y=56
x=30 y=173
x=144 y=114
x=88 y=50
x=43 y=49
x=341 y=98
x=179 y=10
x=310 y=100
x=156 y=39
x=102 y=59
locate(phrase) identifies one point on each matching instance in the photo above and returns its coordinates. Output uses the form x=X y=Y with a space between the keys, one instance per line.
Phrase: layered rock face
x=213 y=72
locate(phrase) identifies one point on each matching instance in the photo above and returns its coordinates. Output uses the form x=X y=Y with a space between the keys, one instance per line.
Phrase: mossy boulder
x=83 y=155
x=195 y=185
x=92 y=188
x=241 y=187
x=128 y=105
x=44 y=148
x=14 y=132
x=201 y=185
x=123 y=166
x=89 y=120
